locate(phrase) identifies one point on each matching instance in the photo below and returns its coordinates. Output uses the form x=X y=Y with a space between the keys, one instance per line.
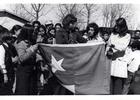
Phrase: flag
x=81 y=68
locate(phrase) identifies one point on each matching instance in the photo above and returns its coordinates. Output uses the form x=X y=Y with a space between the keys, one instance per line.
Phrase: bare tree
x=75 y=9
x=111 y=12
x=137 y=27
x=89 y=10
x=19 y=11
x=33 y=11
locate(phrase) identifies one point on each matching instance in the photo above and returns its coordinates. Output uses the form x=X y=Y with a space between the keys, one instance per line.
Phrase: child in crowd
x=132 y=62
x=105 y=36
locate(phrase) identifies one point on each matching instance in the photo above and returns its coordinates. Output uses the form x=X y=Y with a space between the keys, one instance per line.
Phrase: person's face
x=17 y=32
x=106 y=37
x=131 y=41
x=41 y=31
x=117 y=28
x=57 y=27
x=72 y=25
x=52 y=32
x=36 y=26
x=137 y=34
x=91 y=31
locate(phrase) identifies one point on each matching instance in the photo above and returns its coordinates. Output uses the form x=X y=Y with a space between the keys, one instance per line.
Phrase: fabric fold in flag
x=82 y=68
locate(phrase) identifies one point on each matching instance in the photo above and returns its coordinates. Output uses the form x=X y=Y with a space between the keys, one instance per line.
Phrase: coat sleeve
x=23 y=51
x=81 y=39
x=2 y=57
x=122 y=45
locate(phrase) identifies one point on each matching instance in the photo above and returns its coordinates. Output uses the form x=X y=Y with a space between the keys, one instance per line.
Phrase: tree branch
x=27 y=11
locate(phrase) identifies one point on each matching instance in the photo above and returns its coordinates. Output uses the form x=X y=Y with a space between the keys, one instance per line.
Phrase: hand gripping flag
x=81 y=68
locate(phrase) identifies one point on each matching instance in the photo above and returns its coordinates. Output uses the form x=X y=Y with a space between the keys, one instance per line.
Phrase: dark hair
x=104 y=31
x=4 y=34
x=137 y=31
x=136 y=45
x=26 y=33
x=49 y=34
x=36 y=22
x=51 y=29
x=58 y=24
x=3 y=29
x=70 y=18
x=96 y=29
x=15 y=28
x=121 y=23
x=43 y=27
x=48 y=25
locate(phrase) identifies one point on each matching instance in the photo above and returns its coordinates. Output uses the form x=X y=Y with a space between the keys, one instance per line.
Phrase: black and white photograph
x=69 y=49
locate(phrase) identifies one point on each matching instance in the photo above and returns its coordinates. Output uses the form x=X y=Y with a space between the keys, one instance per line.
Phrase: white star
x=56 y=65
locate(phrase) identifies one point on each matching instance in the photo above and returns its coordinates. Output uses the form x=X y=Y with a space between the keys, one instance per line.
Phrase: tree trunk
x=88 y=17
x=37 y=15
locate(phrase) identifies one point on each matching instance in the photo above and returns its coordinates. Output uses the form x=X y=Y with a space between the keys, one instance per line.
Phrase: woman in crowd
x=35 y=25
x=27 y=61
x=117 y=44
x=51 y=34
x=42 y=36
x=58 y=26
x=16 y=30
x=49 y=26
x=41 y=67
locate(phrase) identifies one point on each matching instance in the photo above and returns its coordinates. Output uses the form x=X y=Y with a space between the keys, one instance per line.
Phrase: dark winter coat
x=66 y=37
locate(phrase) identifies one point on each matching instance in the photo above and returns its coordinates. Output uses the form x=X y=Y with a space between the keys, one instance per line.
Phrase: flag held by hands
x=81 y=68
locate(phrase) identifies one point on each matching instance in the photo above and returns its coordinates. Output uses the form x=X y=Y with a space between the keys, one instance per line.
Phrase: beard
x=71 y=29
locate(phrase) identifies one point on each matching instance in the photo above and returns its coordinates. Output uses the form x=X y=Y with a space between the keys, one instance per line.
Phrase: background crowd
x=24 y=71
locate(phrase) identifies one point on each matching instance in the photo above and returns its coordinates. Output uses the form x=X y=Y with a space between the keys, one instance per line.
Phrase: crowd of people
x=24 y=72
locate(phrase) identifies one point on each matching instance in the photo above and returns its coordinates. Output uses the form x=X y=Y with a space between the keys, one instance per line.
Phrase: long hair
x=43 y=27
x=136 y=45
x=121 y=25
x=58 y=24
x=36 y=22
x=15 y=28
x=96 y=29
x=26 y=33
x=70 y=18
x=4 y=34
x=49 y=34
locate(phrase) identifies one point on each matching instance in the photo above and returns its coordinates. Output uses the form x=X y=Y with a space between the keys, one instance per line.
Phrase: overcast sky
x=52 y=14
